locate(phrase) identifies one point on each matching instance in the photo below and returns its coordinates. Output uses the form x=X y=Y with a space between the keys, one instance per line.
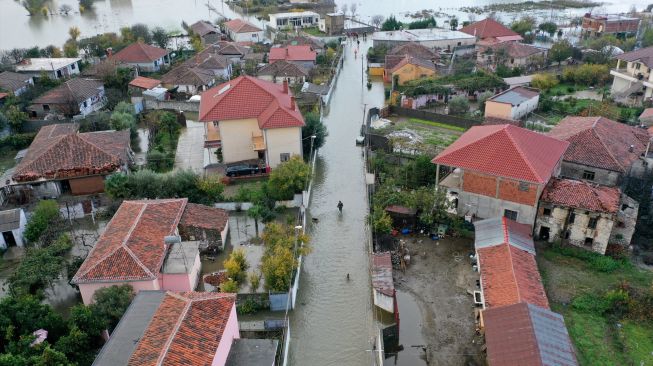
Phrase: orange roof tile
x=292 y=53
x=583 y=195
x=204 y=217
x=241 y=26
x=144 y=83
x=489 y=28
x=505 y=151
x=138 y=52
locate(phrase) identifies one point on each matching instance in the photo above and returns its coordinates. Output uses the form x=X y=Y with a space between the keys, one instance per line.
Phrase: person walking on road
x=340 y=206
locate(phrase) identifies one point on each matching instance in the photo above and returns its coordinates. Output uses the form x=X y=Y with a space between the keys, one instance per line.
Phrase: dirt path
x=439 y=282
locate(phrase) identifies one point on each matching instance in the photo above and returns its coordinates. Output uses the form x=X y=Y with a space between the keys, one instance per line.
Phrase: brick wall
x=509 y=190
x=480 y=184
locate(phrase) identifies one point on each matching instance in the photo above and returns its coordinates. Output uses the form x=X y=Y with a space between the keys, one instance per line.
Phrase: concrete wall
x=601 y=176
x=282 y=140
x=92 y=104
x=88 y=289
x=520 y=111
x=17 y=233
x=237 y=139
x=255 y=37
x=279 y=79
x=176 y=105
x=231 y=332
x=485 y=207
x=181 y=282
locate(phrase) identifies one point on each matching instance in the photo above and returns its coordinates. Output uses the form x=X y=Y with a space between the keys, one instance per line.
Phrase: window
x=510 y=214
x=637 y=66
x=592 y=223
x=284 y=157
x=589 y=241
x=512 y=60
x=588 y=175
x=572 y=218
x=216 y=124
x=567 y=234
x=546 y=212
x=156 y=63
x=523 y=186
x=84 y=104
x=72 y=67
x=46 y=107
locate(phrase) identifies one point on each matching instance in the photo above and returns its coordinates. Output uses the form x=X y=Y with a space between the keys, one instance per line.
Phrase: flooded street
x=332 y=323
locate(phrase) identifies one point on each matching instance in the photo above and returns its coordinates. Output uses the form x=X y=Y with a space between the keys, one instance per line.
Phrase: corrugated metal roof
x=382 y=273
x=515 y=96
x=500 y=230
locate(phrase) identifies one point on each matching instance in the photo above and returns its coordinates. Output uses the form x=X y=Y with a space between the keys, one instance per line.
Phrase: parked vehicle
x=240 y=170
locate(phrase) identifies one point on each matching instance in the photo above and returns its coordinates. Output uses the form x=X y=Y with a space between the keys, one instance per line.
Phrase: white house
x=242 y=31
x=304 y=19
x=15 y=82
x=55 y=68
x=513 y=103
x=75 y=96
x=12 y=225
x=432 y=38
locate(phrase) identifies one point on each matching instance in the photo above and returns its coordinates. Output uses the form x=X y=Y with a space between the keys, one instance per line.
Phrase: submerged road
x=332 y=323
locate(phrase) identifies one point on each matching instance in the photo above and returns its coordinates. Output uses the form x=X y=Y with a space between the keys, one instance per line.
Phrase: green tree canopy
x=288 y=178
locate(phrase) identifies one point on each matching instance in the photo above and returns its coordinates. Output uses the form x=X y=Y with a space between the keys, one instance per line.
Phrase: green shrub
x=591 y=303
x=45 y=213
x=596 y=261
x=17 y=141
x=229 y=285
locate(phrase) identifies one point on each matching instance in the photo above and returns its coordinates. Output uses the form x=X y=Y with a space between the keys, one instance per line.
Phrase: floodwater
x=332 y=323
x=18 y=30
x=410 y=334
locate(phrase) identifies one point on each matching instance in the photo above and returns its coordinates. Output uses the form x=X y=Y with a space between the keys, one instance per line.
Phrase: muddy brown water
x=17 y=29
x=332 y=323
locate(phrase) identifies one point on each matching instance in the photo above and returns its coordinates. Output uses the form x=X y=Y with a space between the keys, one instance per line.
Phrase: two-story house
x=252 y=119
x=603 y=151
x=73 y=97
x=145 y=246
x=143 y=57
x=499 y=170
x=586 y=215
x=633 y=80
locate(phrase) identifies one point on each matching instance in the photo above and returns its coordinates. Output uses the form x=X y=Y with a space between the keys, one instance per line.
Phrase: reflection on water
x=410 y=350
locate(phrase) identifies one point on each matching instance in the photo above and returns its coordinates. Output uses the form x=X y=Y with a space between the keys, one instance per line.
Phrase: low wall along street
x=177 y=105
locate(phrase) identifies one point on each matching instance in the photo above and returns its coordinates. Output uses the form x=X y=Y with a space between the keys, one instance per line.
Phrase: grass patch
x=638 y=342
x=313 y=31
x=593 y=338
x=437 y=124
x=7 y=159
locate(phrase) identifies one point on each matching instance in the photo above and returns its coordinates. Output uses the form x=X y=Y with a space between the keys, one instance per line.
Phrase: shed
x=12 y=225
x=382 y=282
x=402 y=216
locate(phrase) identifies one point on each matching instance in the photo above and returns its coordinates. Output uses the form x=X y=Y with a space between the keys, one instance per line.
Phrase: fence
x=435 y=117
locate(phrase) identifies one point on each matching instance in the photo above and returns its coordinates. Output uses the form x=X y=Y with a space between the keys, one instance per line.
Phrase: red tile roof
x=647 y=113
x=3 y=95
x=139 y=52
x=643 y=55
x=132 y=246
x=144 y=83
x=523 y=334
x=58 y=151
x=509 y=275
x=292 y=53
x=488 y=28
x=186 y=329
x=241 y=26
x=282 y=68
x=601 y=143
x=583 y=195
x=204 y=217
x=75 y=90
x=248 y=97
x=414 y=49
x=506 y=151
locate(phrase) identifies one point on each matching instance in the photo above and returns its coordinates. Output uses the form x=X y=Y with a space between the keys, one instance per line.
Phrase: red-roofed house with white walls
x=251 y=119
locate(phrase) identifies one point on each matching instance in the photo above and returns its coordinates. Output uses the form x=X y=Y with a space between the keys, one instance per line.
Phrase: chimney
x=285 y=86
x=292 y=103
x=631 y=148
x=109 y=52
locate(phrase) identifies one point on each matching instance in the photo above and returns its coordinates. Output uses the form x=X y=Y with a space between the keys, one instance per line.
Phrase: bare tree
x=353 y=7
x=344 y=8
x=377 y=20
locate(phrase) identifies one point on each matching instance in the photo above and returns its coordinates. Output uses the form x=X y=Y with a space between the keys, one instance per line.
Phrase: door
x=10 y=241
x=65 y=186
x=544 y=233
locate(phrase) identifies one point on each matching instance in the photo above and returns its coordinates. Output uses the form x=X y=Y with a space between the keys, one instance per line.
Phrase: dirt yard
x=441 y=280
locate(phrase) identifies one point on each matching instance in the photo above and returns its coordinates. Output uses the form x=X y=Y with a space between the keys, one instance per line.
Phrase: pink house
x=151 y=245
x=168 y=328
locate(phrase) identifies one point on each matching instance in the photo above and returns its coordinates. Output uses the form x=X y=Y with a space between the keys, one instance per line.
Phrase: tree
x=16 y=117
x=482 y=98
x=288 y=178
x=560 y=51
x=544 y=81
x=160 y=37
x=45 y=213
x=141 y=33
x=212 y=187
x=4 y=121
x=458 y=105
x=524 y=25
x=381 y=221
x=236 y=265
x=277 y=269
x=313 y=127
x=122 y=117
x=647 y=38
x=391 y=24
x=353 y=7
x=377 y=20
x=453 y=23
x=70 y=48
x=548 y=27
x=110 y=303
x=344 y=8
x=74 y=33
